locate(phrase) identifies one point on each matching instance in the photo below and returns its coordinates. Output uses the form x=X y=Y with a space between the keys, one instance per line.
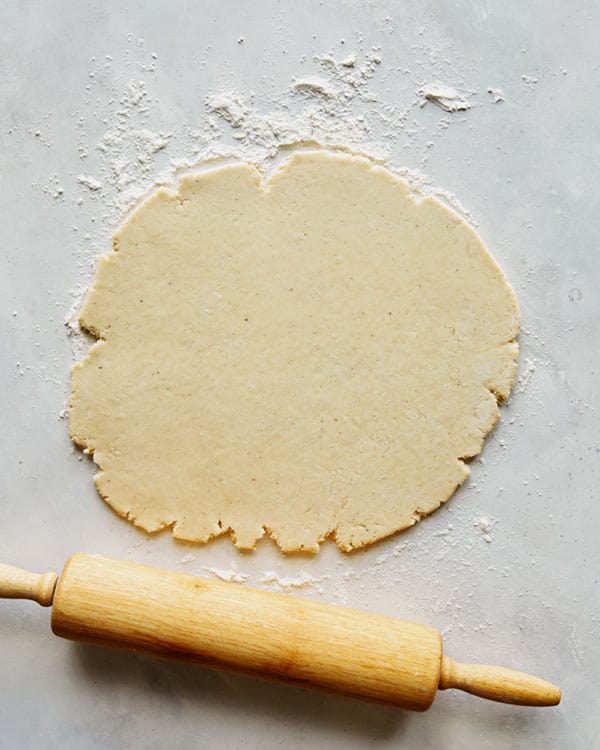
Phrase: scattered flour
x=484 y=525
x=497 y=95
x=314 y=87
x=270 y=580
x=89 y=182
x=348 y=62
x=229 y=107
x=231 y=575
x=445 y=97
x=527 y=370
x=187 y=559
x=286 y=583
x=335 y=104
x=529 y=80
x=79 y=340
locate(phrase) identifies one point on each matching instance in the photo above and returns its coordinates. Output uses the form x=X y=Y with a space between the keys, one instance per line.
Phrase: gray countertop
x=508 y=569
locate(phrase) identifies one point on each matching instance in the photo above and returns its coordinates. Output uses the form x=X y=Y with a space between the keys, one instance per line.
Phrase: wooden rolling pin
x=229 y=626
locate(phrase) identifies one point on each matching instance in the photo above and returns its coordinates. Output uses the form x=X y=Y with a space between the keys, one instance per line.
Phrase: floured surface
x=311 y=357
x=528 y=598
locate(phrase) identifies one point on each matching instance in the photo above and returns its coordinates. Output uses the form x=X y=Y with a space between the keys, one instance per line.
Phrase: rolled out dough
x=312 y=356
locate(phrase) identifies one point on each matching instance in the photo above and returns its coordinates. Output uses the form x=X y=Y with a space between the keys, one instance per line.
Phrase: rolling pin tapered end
x=20 y=584
x=498 y=684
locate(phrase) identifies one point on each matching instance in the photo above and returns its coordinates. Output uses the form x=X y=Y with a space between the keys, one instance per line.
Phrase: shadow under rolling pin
x=230 y=626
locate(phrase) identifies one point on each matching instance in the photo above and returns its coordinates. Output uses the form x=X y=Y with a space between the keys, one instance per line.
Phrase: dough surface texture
x=312 y=356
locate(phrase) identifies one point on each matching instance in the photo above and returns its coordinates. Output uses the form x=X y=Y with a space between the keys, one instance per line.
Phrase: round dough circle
x=314 y=356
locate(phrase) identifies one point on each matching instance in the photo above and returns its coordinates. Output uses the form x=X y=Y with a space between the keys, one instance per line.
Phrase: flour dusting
x=347 y=100
x=496 y=94
x=445 y=97
x=314 y=87
x=232 y=574
x=89 y=182
x=287 y=583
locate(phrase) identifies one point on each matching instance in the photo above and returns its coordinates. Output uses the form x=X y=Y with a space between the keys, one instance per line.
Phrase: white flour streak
x=232 y=574
x=497 y=95
x=89 y=182
x=445 y=97
x=287 y=583
x=314 y=87
x=229 y=107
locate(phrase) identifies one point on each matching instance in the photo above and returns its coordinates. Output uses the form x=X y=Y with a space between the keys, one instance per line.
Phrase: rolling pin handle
x=498 y=684
x=20 y=584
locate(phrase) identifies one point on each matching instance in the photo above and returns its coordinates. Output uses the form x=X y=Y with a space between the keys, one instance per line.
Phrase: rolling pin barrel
x=130 y=606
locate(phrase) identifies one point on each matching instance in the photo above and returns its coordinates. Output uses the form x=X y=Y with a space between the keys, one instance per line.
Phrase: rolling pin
x=231 y=626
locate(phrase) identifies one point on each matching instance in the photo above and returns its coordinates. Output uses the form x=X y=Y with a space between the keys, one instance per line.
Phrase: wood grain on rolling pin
x=131 y=606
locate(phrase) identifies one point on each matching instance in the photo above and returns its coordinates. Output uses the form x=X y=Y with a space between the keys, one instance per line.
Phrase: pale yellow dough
x=312 y=356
